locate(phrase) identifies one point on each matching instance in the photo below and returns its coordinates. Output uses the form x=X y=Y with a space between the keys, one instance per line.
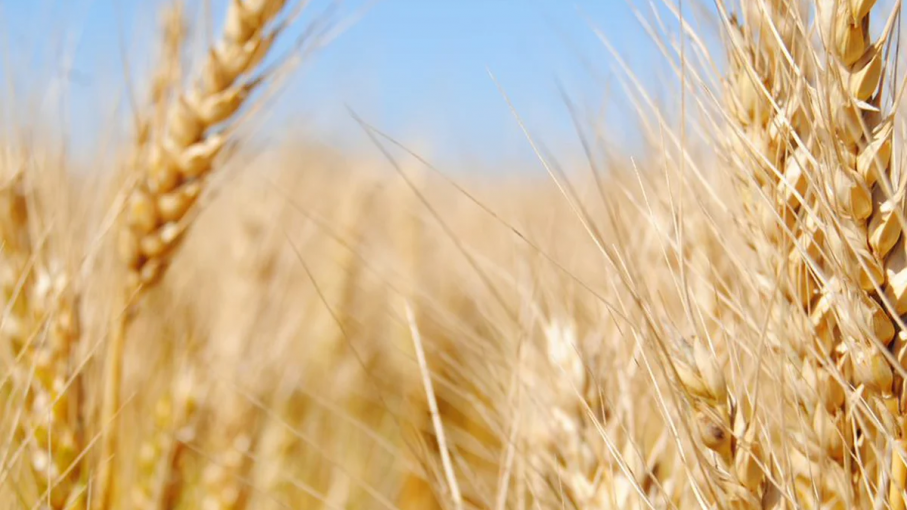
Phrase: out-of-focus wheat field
x=254 y=254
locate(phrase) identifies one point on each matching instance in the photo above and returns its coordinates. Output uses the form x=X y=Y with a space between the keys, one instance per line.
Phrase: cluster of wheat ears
x=202 y=323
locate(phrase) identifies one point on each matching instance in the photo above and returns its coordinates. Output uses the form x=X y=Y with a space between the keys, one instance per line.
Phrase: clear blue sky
x=416 y=68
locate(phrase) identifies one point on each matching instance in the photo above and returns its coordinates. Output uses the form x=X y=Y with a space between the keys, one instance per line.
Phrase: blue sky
x=418 y=69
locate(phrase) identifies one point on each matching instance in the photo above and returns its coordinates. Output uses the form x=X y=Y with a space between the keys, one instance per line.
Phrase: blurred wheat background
x=452 y=255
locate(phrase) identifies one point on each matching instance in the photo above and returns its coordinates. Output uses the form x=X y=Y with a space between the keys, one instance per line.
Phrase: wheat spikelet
x=564 y=436
x=723 y=426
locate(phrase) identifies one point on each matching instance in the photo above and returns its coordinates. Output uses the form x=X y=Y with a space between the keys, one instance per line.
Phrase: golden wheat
x=181 y=157
x=326 y=338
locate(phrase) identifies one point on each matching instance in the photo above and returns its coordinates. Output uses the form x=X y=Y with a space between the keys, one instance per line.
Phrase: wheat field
x=197 y=320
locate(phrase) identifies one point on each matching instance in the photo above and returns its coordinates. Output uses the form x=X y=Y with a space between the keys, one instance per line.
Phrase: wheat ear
x=840 y=203
x=777 y=123
x=868 y=193
x=180 y=160
x=40 y=322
